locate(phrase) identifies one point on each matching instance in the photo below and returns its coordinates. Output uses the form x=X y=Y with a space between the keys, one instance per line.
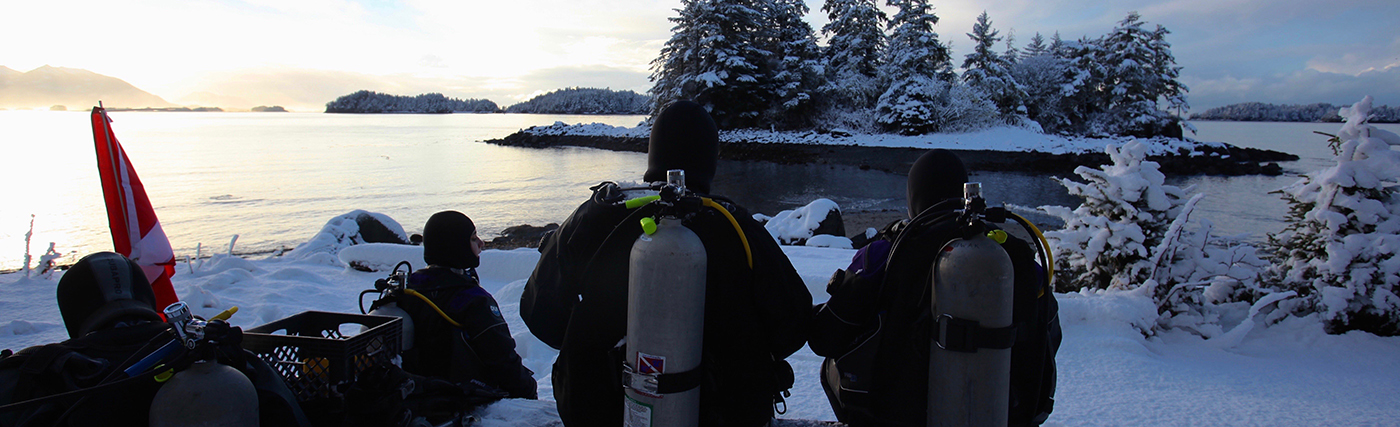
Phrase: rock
x=521 y=236
x=831 y=225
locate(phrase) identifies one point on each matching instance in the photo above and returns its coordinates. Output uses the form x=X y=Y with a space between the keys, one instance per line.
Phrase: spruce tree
x=1338 y=250
x=716 y=57
x=854 y=52
x=1107 y=241
x=919 y=70
x=795 y=64
x=1036 y=47
x=989 y=73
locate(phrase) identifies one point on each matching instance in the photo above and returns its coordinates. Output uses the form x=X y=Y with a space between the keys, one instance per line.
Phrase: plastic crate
x=315 y=358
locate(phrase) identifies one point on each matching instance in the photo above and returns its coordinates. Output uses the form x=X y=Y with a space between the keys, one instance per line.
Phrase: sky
x=304 y=53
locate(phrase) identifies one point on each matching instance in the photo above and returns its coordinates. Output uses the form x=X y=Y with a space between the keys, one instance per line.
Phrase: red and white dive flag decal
x=136 y=232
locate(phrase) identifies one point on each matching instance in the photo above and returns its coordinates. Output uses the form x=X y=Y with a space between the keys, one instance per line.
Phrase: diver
x=756 y=313
x=876 y=327
x=460 y=336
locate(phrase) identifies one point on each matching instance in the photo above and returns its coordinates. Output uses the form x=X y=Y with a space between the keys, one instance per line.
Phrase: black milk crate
x=315 y=358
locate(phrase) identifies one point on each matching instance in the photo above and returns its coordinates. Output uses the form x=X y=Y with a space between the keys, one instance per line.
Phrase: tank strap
x=966 y=336
x=659 y=384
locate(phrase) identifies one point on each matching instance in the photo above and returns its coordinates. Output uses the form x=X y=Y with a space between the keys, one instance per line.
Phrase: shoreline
x=1225 y=160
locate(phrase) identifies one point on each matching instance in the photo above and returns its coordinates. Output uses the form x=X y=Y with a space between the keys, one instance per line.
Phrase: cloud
x=310 y=90
x=1301 y=87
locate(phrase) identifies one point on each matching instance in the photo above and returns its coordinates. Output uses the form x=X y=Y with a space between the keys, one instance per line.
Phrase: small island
x=269 y=109
x=369 y=102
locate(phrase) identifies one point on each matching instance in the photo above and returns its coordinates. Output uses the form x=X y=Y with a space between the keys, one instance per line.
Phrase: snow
x=1002 y=138
x=1290 y=373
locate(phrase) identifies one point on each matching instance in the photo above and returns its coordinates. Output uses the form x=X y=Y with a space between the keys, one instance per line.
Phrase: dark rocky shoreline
x=1226 y=161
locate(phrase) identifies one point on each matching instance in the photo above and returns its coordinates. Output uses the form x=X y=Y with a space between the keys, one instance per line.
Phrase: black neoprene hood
x=447 y=240
x=938 y=175
x=101 y=289
x=683 y=137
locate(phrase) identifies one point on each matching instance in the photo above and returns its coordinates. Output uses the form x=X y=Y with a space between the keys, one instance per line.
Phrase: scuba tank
x=665 y=320
x=970 y=357
x=207 y=393
x=390 y=288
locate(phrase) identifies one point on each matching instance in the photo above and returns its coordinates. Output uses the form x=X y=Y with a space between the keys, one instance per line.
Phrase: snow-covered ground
x=1003 y=138
x=1288 y=374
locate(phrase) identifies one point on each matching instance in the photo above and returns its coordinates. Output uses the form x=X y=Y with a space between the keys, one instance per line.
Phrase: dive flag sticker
x=650 y=364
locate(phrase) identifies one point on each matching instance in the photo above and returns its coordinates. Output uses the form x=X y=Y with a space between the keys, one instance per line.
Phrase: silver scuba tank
x=665 y=325
x=406 y=333
x=207 y=394
x=972 y=293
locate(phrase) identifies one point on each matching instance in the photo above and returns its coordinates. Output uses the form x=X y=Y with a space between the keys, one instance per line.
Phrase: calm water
x=275 y=179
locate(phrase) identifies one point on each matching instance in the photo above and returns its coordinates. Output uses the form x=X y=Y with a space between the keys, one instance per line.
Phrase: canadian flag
x=136 y=232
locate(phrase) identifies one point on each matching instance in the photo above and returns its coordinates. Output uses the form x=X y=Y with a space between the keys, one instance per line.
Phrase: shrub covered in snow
x=1107 y=241
x=1338 y=249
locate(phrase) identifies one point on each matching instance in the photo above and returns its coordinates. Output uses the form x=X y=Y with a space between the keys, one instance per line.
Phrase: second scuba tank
x=665 y=327
x=970 y=360
x=392 y=309
x=207 y=394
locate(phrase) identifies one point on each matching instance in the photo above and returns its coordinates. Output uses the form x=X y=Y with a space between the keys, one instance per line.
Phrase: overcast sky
x=304 y=53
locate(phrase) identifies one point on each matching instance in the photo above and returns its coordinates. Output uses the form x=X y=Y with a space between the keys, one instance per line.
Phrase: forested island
x=1262 y=112
x=584 y=101
x=432 y=103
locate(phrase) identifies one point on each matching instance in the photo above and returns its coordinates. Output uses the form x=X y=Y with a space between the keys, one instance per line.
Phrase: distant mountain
x=77 y=89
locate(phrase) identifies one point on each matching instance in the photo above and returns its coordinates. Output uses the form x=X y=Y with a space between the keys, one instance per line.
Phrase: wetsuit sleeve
x=552 y=291
x=846 y=315
x=487 y=334
x=788 y=303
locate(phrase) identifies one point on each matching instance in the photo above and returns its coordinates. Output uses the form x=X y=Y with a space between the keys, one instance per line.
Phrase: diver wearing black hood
x=479 y=347
x=576 y=299
x=876 y=328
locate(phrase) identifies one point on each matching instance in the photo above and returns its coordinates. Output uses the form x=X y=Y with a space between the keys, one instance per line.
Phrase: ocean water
x=274 y=179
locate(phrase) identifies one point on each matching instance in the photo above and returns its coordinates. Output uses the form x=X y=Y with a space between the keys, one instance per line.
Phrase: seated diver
x=109 y=310
x=876 y=327
x=469 y=340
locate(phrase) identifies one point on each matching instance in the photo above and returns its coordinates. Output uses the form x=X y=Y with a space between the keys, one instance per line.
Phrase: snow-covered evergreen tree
x=919 y=70
x=1012 y=55
x=989 y=73
x=715 y=57
x=1339 y=247
x=1139 y=71
x=1037 y=47
x=1108 y=241
x=854 y=52
x=795 y=64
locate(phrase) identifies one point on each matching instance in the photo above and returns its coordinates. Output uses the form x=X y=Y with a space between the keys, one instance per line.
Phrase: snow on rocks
x=1003 y=138
x=798 y=226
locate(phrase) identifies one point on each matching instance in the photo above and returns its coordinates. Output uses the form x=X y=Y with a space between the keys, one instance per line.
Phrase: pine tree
x=1339 y=247
x=919 y=69
x=989 y=73
x=1139 y=71
x=855 y=51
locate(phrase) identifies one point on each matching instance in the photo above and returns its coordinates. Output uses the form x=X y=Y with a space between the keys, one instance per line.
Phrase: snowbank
x=1291 y=373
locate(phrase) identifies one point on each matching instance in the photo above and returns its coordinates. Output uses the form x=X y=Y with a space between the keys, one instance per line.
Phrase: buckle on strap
x=966 y=336
x=655 y=385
